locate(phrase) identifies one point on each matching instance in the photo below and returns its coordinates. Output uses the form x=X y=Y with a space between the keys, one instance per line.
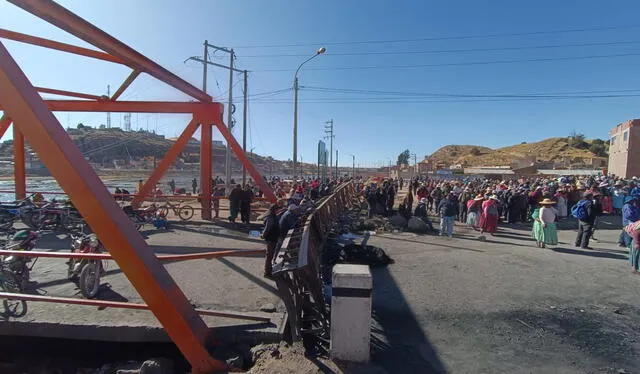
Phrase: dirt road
x=505 y=306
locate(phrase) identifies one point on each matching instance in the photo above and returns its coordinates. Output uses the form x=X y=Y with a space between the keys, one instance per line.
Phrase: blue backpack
x=580 y=210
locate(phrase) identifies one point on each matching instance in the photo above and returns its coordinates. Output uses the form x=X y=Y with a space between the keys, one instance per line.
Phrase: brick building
x=624 y=151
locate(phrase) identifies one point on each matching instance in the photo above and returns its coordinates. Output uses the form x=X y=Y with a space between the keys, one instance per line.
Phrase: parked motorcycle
x=15 y=270
x=141 y=216
x=86 y=272
x=24 y=210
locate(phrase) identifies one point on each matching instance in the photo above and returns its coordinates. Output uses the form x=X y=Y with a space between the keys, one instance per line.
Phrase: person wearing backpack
x=585 y=212
x=448 y=209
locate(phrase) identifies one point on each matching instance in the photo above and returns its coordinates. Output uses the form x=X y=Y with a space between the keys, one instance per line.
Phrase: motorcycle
x=15 y=270
x=86 y=272
x=24 y=210
x=141 y=216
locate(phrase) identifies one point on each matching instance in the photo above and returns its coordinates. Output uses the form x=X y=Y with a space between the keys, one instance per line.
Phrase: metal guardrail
x=297 y=266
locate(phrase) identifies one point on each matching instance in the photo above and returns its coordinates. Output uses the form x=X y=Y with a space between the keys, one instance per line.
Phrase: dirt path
x=464 y=306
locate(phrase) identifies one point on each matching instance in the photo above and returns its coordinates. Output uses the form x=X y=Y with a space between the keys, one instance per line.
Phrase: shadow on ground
x=398 y=342
x=591 y=253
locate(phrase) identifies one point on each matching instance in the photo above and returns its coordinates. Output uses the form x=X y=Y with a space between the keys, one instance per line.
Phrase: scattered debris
x=268 y=308
x=524 y=323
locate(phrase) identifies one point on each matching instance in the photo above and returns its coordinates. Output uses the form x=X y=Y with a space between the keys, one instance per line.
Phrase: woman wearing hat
x=544 y=226
x=474 y=209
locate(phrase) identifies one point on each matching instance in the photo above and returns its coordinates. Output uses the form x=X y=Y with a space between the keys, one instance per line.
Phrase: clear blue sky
x=375 y=126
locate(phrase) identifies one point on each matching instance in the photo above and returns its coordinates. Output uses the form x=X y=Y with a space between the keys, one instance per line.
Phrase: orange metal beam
x=19 y=172
x=205 y=169
x=127 y=82
x=52 y=44
x=121 y=305
x=167 y=160
x=76 y=177
x=68 y=93
x=130 y=106
x=237 y=149
x=107 y=256
x=5 y=122
x=75 y=25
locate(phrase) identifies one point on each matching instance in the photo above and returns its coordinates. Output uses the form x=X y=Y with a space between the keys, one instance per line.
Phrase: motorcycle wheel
x=89 y=280
x=185 y=213
x=12 y=307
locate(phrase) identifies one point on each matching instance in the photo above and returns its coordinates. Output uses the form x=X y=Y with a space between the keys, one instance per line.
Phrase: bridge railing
x=297 y=269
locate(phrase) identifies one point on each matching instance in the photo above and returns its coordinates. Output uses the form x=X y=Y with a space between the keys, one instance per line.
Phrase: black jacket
x=271 y=231
x=448 y=207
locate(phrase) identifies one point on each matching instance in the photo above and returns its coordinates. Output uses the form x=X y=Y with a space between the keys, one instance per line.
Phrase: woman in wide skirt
x=545 y=231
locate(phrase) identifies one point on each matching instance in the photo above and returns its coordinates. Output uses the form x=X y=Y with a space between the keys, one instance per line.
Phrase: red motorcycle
x=86 y=272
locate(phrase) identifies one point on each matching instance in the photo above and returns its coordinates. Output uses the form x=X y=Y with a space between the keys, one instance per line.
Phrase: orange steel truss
x=33 y=120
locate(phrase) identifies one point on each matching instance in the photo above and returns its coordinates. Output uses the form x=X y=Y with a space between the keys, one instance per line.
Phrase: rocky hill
x=571 y=150
x=139 y=148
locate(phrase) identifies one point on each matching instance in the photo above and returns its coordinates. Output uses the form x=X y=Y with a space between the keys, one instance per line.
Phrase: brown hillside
x=552 y=149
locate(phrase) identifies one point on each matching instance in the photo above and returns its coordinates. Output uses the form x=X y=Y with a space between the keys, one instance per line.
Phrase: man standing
x=194 y=185
x=448 y=209
x=288 y=220
x=270 y=234
x=234 y=203
x=586 y=214
x=172 y=186
x=245 y=204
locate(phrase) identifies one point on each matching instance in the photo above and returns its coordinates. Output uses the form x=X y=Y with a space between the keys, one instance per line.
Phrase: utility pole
x=244 y=127
x=328 y=129
x=353 y=167
x=108 y=113
x=230 y=107
x=337 y=175
x=229 y=121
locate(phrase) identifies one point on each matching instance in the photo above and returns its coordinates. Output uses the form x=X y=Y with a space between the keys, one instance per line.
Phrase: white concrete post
x=351 y=312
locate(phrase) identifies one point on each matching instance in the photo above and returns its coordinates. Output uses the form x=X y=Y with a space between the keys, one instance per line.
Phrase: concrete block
x=351 y=313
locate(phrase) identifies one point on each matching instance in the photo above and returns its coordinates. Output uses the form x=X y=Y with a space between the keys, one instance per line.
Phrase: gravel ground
x=505 y=306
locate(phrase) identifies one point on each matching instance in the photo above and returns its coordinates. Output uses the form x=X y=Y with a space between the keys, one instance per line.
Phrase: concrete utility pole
x=337 y=175
x=244 y=127
x=353 y=167
x=108 y=113
x=230 y=107
x=229 y=121
x=328 y=129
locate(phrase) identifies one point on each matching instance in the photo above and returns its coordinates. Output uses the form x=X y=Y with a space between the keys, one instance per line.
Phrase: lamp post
x=295 y=108
x=353 y=167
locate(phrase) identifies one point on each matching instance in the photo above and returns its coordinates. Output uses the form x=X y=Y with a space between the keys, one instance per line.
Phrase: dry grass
x=552 y=149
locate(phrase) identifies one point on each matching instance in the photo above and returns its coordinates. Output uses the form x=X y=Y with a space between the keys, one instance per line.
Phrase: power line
x=372 y=67
x=436 y=51
x=440 y=94
x=455 y=37
x=441 y=100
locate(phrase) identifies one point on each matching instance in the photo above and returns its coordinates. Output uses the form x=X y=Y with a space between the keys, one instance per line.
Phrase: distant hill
x=103 y=146
x=572 y=150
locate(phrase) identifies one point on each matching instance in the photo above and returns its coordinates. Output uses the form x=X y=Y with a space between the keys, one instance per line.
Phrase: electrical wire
x=440 y=94
x=439 y=100
x=436 y=51
x=383 y=67
x=454 y=37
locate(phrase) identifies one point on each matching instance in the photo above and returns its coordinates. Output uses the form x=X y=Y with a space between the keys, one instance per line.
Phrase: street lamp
x=353 y=167
x=295 y=108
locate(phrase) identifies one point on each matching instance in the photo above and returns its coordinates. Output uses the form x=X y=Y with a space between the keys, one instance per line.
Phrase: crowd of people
x=483 y=203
